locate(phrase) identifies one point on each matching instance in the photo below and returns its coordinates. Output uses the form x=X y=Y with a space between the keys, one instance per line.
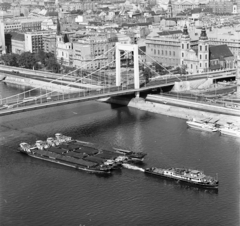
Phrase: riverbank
x=168 y=109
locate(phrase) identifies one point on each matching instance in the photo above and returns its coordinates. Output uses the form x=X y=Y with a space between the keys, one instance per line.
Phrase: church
x=202 y=57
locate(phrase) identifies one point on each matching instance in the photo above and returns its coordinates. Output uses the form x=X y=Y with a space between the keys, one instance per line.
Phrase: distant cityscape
x=198 y=35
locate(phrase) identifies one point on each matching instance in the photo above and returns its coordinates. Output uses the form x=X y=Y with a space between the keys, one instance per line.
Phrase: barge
x=203 y=125
x=193 y=177
x=61 y=156
x=77 y=154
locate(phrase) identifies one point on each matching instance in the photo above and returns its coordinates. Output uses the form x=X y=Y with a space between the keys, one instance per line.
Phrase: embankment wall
x=175 y=111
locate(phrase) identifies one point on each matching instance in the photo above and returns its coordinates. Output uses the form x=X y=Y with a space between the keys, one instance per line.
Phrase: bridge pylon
x=127 y=47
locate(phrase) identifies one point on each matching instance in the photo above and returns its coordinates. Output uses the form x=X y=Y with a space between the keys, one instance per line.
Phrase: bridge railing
x=58 y=97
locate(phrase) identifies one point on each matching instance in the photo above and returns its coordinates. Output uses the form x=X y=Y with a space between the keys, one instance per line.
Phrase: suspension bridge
x=96 y=84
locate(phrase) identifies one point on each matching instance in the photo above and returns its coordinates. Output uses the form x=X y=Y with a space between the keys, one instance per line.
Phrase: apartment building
x=34 y=41
x=23 y=23
x=89 y=52
x=164 y=47
x=49 y=43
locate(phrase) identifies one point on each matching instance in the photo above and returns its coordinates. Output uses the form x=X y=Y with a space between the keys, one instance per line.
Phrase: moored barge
x=194 y=177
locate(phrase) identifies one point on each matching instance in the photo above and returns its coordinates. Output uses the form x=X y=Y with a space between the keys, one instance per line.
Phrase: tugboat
x=194 y=177
x=204 y=125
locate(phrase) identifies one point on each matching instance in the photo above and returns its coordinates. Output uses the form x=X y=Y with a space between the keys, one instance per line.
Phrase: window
x=206 y=48
x=182 y=54
x=187 y=46
x=205 y=65
x=158 y=52
x=154 y=51
x=170 y=53
x=182 y=46
x=200 y=65
x=206 y=57
x=166 y=52
x=173 y=53
x=162 y=52
x=191 y=66
x=200 y=56
x=200 y=48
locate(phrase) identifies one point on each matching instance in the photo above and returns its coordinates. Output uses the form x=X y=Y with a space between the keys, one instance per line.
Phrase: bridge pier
x=137 y=94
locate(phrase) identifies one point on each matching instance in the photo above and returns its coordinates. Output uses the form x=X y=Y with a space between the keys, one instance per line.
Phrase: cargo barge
x=192 y=177
x=77 y=154
x=60 y=156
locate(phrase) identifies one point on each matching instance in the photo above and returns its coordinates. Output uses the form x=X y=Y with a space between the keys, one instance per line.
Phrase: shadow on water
x=180 y=185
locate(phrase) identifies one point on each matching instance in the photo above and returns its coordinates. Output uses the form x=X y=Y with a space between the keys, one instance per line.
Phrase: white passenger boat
x=204 y=125
x=230 y=130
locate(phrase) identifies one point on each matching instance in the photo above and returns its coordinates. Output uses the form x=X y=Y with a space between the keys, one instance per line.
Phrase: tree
x=10 y=59
x=27 y=60
x=53 y=65
x=41 y=57
x=147 y=74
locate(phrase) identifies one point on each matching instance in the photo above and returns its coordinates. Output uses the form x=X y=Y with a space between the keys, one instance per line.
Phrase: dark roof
x=96 y=23
x=136 y=24
x=18 y=36
x=142 y=50
x=164 y=33
x=219 y=52
x=51 y=14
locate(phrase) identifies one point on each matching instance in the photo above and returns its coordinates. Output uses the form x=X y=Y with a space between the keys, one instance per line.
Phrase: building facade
x=34 y=41
x=49 y=43
x=18 y=43
x=221 y=6
x=94 y=52
x=164 y=47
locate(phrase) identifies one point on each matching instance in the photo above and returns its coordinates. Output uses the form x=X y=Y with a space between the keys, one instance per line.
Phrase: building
x=49 y=43
x=142 y=54
x=64 y=49
x=229 y=37
x=221 y=6
x=169 y=10
x=89 y=52
x=23 y=23
x=34 y=40
x=17 y=42
x=203 y=57
x=164 y=47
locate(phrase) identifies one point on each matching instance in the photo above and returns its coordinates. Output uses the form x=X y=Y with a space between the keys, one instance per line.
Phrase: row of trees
x=36 y=61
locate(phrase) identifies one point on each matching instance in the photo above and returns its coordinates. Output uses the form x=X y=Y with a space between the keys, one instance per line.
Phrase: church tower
x=185 y=44
x=203 y=51
x=169 y=10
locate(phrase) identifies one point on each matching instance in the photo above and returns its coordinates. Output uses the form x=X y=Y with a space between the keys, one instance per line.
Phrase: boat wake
x=129 y=166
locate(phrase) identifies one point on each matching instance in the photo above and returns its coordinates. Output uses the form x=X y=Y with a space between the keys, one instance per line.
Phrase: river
x=35 y=192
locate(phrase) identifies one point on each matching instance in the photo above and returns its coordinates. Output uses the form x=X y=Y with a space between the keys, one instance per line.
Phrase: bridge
x=98 y=84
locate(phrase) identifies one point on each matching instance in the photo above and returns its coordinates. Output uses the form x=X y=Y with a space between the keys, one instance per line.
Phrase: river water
x=35 y=192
